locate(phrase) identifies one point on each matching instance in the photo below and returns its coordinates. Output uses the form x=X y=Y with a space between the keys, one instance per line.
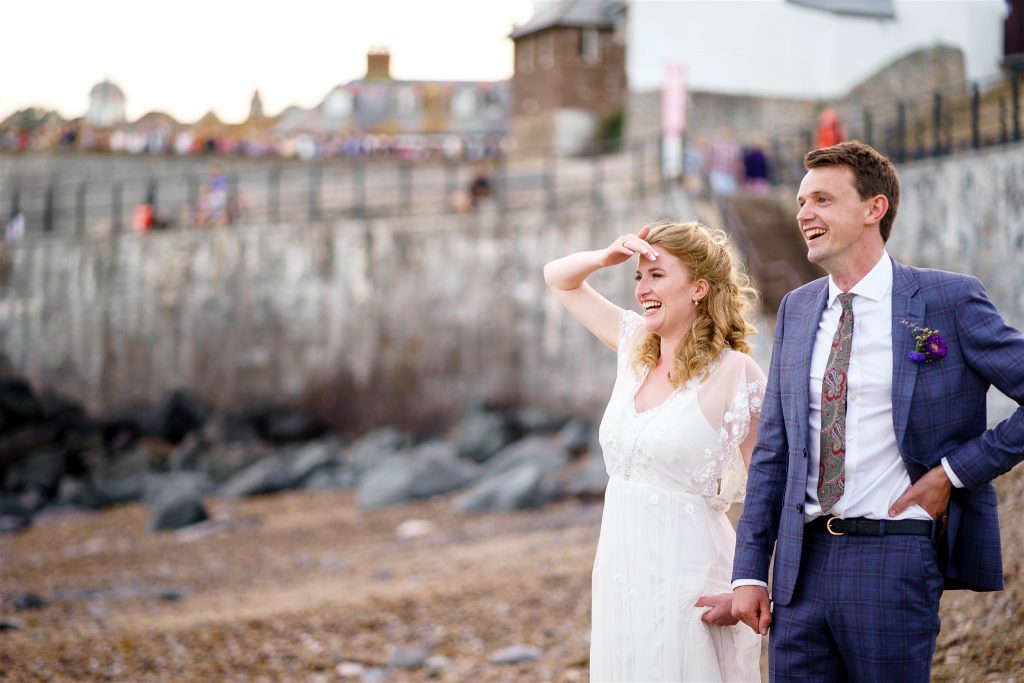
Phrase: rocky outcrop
x=176 y=454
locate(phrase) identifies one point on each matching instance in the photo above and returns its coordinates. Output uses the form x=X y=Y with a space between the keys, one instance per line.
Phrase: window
x=546 y=50
x=464 y=103
x=408 y=101
x=524 y=53
x=590 y=45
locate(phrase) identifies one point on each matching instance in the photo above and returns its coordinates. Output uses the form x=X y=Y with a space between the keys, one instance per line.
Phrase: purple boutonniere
x=928 y=344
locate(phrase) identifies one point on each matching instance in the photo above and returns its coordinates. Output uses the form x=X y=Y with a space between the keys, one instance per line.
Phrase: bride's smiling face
x=665 y=290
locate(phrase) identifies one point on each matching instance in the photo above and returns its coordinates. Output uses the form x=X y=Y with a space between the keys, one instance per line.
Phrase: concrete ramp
x=764 y=230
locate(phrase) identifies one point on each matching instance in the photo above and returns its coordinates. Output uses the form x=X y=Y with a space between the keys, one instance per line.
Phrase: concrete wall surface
x=402 y=321
x=966 y=214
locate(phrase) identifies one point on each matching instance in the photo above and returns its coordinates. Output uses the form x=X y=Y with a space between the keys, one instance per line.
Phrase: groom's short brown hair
x=873 y=174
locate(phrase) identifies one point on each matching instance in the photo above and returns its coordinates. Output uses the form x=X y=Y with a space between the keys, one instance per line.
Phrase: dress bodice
x=690 y=441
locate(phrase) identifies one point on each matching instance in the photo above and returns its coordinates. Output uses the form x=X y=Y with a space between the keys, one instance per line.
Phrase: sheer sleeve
x=630 y=327
x=731 y=400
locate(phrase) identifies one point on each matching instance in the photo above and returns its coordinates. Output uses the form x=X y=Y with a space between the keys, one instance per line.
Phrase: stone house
x=380 y=104
x=570 y=76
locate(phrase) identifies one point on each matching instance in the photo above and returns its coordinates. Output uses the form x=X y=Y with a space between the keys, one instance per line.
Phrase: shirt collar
x=875 y=285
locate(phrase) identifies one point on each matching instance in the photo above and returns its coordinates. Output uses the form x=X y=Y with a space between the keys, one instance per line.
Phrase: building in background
x=461 y=113
x=590 y=71
x=569 y=84
x=376 y=115
x=106 y=106
x=816 y=49
x=765 y=65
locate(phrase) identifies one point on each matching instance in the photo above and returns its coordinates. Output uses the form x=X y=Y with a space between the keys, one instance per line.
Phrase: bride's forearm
x=569 y=272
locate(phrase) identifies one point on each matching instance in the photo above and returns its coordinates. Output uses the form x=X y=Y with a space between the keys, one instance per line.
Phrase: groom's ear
x=877 y=207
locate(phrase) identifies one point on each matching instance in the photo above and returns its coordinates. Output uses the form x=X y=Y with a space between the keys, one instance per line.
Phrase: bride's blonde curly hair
x=722 y=315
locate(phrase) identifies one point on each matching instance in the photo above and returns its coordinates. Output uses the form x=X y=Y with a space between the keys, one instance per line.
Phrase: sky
x=187 y=57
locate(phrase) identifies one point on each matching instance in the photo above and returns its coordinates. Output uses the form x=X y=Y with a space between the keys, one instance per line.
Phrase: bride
x=677 y=435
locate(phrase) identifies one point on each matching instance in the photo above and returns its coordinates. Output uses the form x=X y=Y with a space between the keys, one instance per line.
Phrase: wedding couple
x=864 y=457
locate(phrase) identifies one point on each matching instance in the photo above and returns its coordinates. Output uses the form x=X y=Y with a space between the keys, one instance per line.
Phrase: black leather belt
x=861 y=526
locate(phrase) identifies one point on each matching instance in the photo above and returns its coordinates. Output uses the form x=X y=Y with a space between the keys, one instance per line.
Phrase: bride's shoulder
x=735 y=362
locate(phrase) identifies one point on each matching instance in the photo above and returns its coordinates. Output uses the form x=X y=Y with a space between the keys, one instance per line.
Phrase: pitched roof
x=570 y=13
x=882 y=9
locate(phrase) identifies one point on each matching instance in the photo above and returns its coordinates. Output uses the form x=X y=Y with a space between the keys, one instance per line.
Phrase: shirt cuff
x=951 y=474
x=748 y=582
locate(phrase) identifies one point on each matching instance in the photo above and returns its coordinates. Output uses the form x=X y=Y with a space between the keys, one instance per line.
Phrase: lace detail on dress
x=727 y=483
x=623 y=460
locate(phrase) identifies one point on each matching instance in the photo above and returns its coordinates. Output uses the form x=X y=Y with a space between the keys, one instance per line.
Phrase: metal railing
x=920 y=124
x=273 y=191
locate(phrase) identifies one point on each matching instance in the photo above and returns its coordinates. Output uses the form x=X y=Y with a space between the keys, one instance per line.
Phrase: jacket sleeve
x=995 y=351
x=766 y=480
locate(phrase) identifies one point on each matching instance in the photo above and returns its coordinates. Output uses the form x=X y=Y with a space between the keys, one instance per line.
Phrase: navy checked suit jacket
x=939 y=411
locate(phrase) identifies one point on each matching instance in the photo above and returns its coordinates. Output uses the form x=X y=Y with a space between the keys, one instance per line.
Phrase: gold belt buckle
x=828 y=527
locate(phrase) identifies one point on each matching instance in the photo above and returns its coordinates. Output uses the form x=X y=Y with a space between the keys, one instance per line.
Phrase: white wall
x=773 y=48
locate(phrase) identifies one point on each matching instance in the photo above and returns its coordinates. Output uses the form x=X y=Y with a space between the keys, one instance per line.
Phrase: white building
x=812 y=49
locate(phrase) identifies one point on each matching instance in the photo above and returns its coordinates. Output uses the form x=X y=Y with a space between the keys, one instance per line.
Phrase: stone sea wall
x=400 y=321
x=966 y=214
x=403 y=320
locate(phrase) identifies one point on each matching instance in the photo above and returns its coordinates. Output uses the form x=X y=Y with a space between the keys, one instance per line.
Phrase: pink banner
x=673 y=101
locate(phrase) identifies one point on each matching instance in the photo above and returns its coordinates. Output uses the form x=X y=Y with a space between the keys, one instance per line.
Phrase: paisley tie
x=832 y=466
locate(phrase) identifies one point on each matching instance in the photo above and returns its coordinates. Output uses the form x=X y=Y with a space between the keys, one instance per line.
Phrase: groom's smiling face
x=834 y=220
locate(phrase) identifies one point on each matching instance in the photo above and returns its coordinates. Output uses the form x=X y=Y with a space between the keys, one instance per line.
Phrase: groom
x=872 y=473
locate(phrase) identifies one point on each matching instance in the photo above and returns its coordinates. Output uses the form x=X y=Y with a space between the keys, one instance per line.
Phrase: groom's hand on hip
x=931 y=492
x=750 y=605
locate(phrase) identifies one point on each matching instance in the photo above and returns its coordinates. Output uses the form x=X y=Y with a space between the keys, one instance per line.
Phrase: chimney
x=378 y=64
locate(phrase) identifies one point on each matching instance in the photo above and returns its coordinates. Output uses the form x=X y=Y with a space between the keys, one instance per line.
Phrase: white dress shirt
x=875 y=473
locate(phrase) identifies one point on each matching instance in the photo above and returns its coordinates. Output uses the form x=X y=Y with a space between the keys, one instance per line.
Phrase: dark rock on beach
x=426 y=470
x=177 y=414
x=24 y=602
x=481 y=434
x=177 y=505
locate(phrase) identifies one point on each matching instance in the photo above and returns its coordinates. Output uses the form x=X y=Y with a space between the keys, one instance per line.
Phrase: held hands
x=720 y=613
x=750 y=605
x=931 y=492
x=625 y=246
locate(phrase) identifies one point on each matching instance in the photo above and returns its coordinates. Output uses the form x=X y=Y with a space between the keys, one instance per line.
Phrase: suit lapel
x=907 y=310
x=806 y=332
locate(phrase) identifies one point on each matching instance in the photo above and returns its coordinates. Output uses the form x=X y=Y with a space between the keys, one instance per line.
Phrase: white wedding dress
x=665 y=538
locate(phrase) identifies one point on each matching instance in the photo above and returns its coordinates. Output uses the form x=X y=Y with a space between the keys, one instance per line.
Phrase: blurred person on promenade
x=871 y=481
x=680 y=424
x=755 y=168
x=724 y=164
x=695 y=166
x=214 y=201
x=478 y=189
x=830 y=129
x=14 y=229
